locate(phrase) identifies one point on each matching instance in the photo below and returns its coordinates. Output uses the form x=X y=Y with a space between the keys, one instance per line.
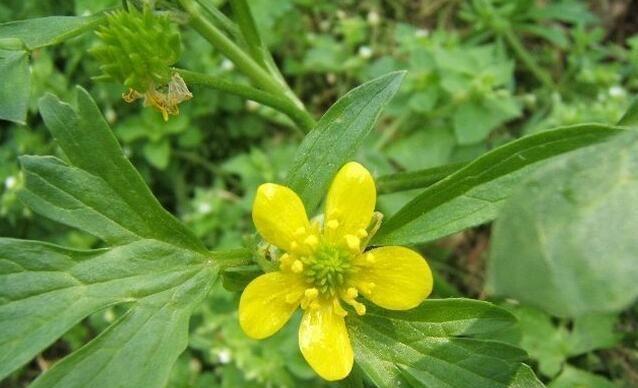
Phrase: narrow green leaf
x=47 y=31
x=440 y=343
x=566 y=241
x=16 y=85
x=474 y=194
x=45 y=290
x=409 y=180
x=97 y=160
x=337 y=136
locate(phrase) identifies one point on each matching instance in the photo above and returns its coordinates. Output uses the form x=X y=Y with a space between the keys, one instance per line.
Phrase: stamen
x=292 y=297
x=299 y=232
x=312 y=241
x=369 y=257
x=362 y=233
x=352 y=293
x=332 y=224
x=353 y=242
x=337 y=308
x=311 y=293
x=297 y=266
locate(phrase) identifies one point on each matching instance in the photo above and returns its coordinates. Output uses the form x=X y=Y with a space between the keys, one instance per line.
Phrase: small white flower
x=204 y=208
x=617 y=91
x=365 y=52
x=227 y=65
x=422 y=33
x=331 y=78
x=373 y=18
x=10 y=182
x=224 y=356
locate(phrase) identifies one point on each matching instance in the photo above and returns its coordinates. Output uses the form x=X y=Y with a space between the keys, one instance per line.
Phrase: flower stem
x=246 y=23
x=524 y=56
x=260 y=76
x=301 y=118
x=232 y=257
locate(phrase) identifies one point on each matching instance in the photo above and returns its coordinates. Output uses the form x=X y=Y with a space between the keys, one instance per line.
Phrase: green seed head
x=137 y=49
x=328 y=268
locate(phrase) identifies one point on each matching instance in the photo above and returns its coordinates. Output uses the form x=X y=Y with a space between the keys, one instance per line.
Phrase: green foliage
x=337 y=136
x=130 y=296
x=436 y=343
x=474 y=194
x=564 y=240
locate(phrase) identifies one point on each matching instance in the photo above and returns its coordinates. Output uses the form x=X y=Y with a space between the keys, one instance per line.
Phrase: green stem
x=301 y=118
x=418 y=179
x=524 y=56
x=232 y=257
x=248 y=28
x=244 y=62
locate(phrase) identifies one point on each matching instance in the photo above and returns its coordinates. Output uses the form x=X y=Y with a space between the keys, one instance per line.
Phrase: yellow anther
x=362 y=233
x=360 y=308
x=294 y=246
x=352 y=293
x=314 y=305
x=312 y=241
x=337 y=308
x=332 y=224
x=297 y=266
x=311 y=293
x=366 y=288
x=369 y=257
x=353 y=242
x=299 y=232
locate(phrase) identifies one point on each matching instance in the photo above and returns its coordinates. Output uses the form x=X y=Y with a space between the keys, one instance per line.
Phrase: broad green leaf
x=154 y=265
x=573 y=377
x=474 y=194
x=15 y=80
x=45 y=290
x=440 y=343
x=337 y=136
x=97 y=163
x=566 y=241
x=47 y=31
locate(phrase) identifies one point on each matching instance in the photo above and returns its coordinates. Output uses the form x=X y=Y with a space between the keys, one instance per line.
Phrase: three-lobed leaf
x=565 y=241
x=337 y=136
x=474 y=194
x=440 y=343
x=154 y=264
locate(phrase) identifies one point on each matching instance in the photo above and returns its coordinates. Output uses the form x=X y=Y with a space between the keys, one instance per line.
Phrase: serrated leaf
x=16 y=85
x=46 y=289
x=440 y=343
x=154 y=266
x=337 y=136
x=47 y=31
x=474 y=194
x=565 y=241
x=97 y=161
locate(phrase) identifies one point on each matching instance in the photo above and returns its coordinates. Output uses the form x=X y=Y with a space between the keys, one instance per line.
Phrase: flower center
x=328 y=268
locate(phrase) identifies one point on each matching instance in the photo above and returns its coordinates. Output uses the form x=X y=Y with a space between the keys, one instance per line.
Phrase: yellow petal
x=278 y=213
x=268 y=302
x=324 y=342
x=351 y=200
x=395 y=278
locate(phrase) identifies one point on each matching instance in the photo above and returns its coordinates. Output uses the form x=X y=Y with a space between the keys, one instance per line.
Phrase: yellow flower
x=324 y=266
